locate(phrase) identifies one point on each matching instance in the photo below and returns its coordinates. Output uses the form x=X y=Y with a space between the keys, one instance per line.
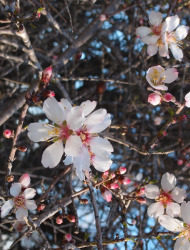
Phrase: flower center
x=85 y=136
x=19 y=201
x=171 y=38
x=157 y=30
x=184 y=233
x=155 y=77
x=165 y=198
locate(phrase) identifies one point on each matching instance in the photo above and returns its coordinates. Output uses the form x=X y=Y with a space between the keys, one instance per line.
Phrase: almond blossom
x=183 y=227
x=20 y=202
x=66 y=120
x=154 y=99
x=165 y=198
x=187 y=100
x=158 y=76
x=152 y=36
x=172 y=39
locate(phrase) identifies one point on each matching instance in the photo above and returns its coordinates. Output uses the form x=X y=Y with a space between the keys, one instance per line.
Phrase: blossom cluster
x=75 y=133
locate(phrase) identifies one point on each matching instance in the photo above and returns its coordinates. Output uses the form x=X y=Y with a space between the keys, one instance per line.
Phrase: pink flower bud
x=102 y=17
x=68 y=237
x=168 y=97
x=22 y=148
x=48 y=93
x=113 y=185
x=10 y=178
x=59 y=219
x=70 y=217
x=141 y=200
x=157 y=120
x=180 y=162
x=24 y=180
x=183 y=117
x=41 y=207
x=7 y=133
x=47 y=73
x=107 y=195
x=140 y=192
x=154 y=99
x=124 y=180
x=121 y=170
x=105 y=174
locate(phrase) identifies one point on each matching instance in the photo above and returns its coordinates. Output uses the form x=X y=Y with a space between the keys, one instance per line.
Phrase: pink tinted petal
x=6 y=208
x=150 y=39
x=143 y=31
x=24 y=180
x=178 y=194
x=30 y=204
x=29 y=193
x=168 y=182
x=155 y=210
x=155 y=18
x=107 y=195
x=88 y=107
x=73 y=146
x=172 y=22
x=170 y=223
x=52 y=154
x=163 y=51
x=171 y=75
x=21 y=213
x=75 y=118
x=177 y=52
x=154 y=99
x=182 y=244
x=39 y=132
x=152 y=191
x=173 y=209
x=181 y=32
x=152 y=50
x=15 y=189
x=185 y=208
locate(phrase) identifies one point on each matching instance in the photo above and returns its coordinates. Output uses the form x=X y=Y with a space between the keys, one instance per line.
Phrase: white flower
x=165 y=197
x=66 y=120
x=174 y=225
x=172 y=39
x=95 y=150
x=187 y=100
x=20 y=201
x=158 y=76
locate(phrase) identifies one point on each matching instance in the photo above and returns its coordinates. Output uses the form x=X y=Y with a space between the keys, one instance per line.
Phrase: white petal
x=163 y=51
x=143 y=31
x=97 y=122
x=173 y=209
x=170 y=223
x=185 y=208
x=65 y=104
x=29 y=193
x=155 y=210
x=152 y=191
x=6 y=208
x=177 y=52
x=15 y=189
x=52 y=154
x=101 y=144
x=187 y=97
x=168 y=182
x=181 y=32
x=21 y=213
x=24 y=180
x=152 y=49
x=155 y=18
x=54 y=110
x=96 y=117
x=75 y=118
x=30 y=204
x=150 y=39
x=172 y=22
x=100 y=163
x=182 y=244
x=158 y=70
x=178 y=194
x=68 y=160
x=88 y=107
x=73 y=145
x=39 y=132
x=187 y=104
x=171 y=75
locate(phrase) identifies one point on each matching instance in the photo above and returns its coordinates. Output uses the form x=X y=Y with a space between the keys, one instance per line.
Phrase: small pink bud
x=180 y=162
x=70 y=217
x=141 y=21
x=157 y=120
x=46 y=75
x=113 y=185
x=102 y=17
x=7 y=133
x=141 y=200
x=188 y=164
x=107 y=195
x=41 y=207
x=183 y=117
x=68 y=237
x=105 y=175
x=24 y=180
x=121 y=170
x=10 y=178
x=22 y=148
x=124 y=180
x=48 y=93
x=154 y=99
x=59 y=219
x=140 y=192
x=164 y=133
x=168 y=97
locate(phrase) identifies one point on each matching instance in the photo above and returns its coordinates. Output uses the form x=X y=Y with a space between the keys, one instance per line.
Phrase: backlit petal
x=155 y=210
x=168 y=182
x=181 y=32
x=6 y=208
x=178 y=194
x=101 y=144
x=152 y=49
x=171 y=75
x=143 y=31
x=73 y=145
x=30 y=204
x=152 y=191
x=75 y=118
x=65 y=104
x=29 y=193
x=173 y=209
x=185 y=208
x=15 y=189
x=88 y=107
x=172 y=22
x=155 y=18
x=21 y=213
x=39 y=132
x=182 y=244
x=177 y=52
x=170 y=223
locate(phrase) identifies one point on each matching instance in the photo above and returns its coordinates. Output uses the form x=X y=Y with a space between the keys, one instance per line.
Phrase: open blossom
x=183 y=227
x=165 y=198
x=158 y=76
x=20 y=202
x=187 y=100
x=172 y=39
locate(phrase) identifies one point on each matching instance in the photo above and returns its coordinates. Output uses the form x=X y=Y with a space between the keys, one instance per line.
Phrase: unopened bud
x=68 y=237
x=10 y=178
x=24 y=180
x=102 y=17
x=106 y=194
x=48 y=93
x=124 y=180
x=41 y=207
x=22 y=148
x=83 y=201
x=59 y=219
x=113 y=185
x=168 y=97
x=183 y=117
x=101 y=87
x=47 y=73
x=180 y=162
x=121 y=170
x=7 y=133
x=105 y=175
x=140 y=192
x=154 y=99
x=70 y=217
x=141 y=200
